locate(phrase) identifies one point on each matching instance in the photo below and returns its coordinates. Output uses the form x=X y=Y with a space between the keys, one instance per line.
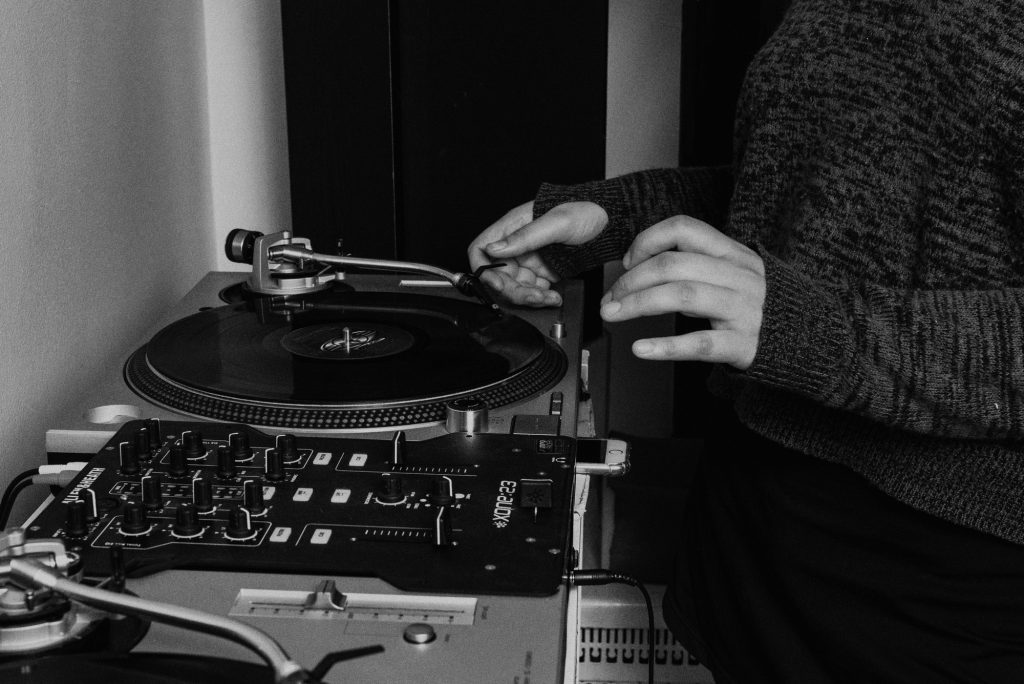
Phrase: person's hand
x=514 y=240
x=683 y=265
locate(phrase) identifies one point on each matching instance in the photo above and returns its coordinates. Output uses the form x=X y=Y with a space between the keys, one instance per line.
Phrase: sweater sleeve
x=635 y=202
x=943 y=362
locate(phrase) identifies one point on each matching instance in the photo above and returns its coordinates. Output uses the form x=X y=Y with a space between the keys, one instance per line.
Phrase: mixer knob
x=153 y=425
x=225 y=462
x=129 y=459
x=92 y=507
x=238 y=442
x=76 y=525
x=135 y=522
x=202 y=495
x=390 y=489
x=239 y=525
x=152 y=494
x=186 y=522
x=193 y=443
x=274 y=468
x=178 y=465
x=466 y=415
x=443 y=492
x=398 y=448
x=141 y=442
x=285 y=446
x=443 y=528
x=252 y=497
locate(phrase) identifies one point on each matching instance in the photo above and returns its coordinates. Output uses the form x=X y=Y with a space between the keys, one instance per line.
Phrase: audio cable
x=598 y=576
x=58 y=475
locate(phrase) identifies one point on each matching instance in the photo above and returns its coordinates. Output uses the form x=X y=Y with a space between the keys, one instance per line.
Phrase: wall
x=105 y=194
x=643 y=132
x=248 y=127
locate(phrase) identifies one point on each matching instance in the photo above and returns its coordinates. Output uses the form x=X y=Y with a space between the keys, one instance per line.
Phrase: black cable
x=592 y=577
x=17 y=485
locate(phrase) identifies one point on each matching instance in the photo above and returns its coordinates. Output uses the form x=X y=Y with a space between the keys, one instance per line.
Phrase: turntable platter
x=346 y=360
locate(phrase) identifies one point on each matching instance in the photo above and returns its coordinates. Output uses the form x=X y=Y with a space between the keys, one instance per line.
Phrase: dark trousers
x=795 y=570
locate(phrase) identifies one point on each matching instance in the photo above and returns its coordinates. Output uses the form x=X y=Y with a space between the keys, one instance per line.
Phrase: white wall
x=643 y=132
x=107 y=208
x=248 y=126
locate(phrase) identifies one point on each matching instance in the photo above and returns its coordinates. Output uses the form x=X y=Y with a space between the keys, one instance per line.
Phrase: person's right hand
x=515 y=239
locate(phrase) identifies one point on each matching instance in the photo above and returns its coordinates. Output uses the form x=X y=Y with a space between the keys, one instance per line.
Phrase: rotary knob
x=390 y=490
x=152 y=492
x=398 y=448
x=186 y=522
x=239 y=526
x=225 y=463
x=135 y=523
x=252 y=497
x=285 y=445
x=273 y=470
x=443 y=528
x=443 y=492
x=142 y=446
x=195 y=449
x=202 y=495
x=177 y=463
x=77 y=525
x=466 y=415
x=129 y=459
x=153 y=425
x=238 y=442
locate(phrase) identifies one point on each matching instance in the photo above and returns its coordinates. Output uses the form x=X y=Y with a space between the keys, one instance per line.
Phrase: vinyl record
x=350 y=360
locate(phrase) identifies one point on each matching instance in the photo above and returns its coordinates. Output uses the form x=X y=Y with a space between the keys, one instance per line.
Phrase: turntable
x=344 y=454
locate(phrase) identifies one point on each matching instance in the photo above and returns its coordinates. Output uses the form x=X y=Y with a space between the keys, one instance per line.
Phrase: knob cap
x=466 y=415
x=252 y=497
x=238 y=442
x=141 y=442
x=76 y=525
x=286 y=447
x=186 y=521
x=202 y=495
x=443 y=492
x=398 y=448
x=153 y=425
x=129 y=459
x=193 y=443
x=177 y=463
x=443 y=528
x=134 y=521
x=239 y=524
x=225 y=462
x=390 y=489
x=152 y=492
x=274 y=468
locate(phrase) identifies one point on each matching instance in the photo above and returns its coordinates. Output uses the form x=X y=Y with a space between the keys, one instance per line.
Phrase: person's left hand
x=683 y=265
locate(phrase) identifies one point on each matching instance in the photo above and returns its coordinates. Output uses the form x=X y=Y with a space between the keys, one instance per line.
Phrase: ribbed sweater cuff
x=610 y=245
x=802 y=345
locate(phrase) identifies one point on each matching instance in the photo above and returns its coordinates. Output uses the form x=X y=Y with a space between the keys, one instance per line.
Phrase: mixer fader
x=460 y=513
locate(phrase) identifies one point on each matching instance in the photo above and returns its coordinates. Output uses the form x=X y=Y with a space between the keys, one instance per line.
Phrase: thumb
x=546 y=230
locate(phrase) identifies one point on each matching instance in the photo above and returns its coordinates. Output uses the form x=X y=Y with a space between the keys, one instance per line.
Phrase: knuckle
x=685 y=292
x=703 y=344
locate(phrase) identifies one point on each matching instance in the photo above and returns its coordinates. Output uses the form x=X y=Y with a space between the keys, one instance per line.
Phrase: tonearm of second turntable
x=287 y=265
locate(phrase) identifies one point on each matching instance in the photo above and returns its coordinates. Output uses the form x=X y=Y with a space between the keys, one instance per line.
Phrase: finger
x=688 y=234
x=512 y=221
x=713 y=346
x=668 y=267
x=551 y=228
x=688 y=297
x=527 y=291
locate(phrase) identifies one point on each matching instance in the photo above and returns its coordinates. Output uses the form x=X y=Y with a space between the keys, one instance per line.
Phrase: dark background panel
x=414 y=124
x=338 y=96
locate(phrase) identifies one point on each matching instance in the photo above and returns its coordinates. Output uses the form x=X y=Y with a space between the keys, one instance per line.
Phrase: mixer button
x=358 y=460
x=320 y=535
x=281 y=534
x=322 y=458
x=341 y=496
x=303 y=494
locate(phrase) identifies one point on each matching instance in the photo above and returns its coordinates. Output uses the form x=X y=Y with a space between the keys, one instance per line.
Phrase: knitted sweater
x=879 y=172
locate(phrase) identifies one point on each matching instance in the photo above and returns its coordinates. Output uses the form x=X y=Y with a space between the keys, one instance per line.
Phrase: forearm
x=941 y=362
x=634 y=202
